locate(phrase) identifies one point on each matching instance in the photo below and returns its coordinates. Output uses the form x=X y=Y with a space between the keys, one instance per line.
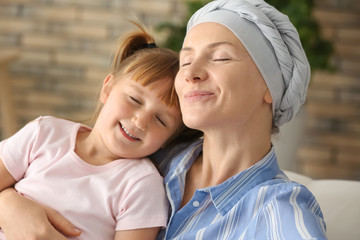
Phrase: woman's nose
x=196 y=72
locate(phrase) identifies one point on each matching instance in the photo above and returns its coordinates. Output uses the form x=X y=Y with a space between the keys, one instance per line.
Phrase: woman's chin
x=194 y=123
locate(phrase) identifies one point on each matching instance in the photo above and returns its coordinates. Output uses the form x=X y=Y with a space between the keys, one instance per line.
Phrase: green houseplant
x=317 y=49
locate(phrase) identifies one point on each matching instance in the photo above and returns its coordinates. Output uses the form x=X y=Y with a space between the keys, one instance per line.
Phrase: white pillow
x=340 y=203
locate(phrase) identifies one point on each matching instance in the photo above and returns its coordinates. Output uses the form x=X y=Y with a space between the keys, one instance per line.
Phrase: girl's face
x=218 y=83
x=133 y=122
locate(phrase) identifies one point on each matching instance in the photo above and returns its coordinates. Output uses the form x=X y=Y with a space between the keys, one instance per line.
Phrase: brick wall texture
x=65 y=53
x=65 y=49
x=331 y=148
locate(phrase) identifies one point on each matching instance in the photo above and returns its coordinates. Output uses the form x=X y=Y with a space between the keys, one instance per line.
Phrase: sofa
x=340 y=204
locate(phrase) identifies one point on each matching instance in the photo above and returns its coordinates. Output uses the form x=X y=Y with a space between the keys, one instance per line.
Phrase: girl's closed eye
x=138 y=102
x=161 y=121
x=135 y=100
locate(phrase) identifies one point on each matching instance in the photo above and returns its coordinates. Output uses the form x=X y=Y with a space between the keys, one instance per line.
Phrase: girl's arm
x=138 y=234
x=22 y=218
x=6 y=179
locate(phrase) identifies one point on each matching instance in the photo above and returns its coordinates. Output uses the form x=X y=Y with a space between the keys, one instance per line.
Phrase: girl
x=98 y=177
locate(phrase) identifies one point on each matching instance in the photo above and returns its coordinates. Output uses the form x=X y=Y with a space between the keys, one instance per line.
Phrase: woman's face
x=218 y=83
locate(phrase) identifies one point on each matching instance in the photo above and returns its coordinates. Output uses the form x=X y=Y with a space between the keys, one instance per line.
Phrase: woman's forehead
x=210 y=35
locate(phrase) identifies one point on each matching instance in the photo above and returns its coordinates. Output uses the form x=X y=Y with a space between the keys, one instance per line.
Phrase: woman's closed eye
x=221 y=59
x=185 y=64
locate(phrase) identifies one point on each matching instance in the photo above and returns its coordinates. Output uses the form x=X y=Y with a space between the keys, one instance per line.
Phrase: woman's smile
x=194 y=96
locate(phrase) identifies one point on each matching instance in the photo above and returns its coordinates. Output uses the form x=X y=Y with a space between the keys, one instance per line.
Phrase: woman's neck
x=225 y=155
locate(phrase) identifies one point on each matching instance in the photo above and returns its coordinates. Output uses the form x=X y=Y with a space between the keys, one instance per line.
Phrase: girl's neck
x=89 y=150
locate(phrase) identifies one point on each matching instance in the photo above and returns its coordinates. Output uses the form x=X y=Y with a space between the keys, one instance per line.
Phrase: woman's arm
x=22 y=218
x=138 y=234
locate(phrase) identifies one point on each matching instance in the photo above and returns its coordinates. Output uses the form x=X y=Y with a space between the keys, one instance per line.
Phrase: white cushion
x=340 y=203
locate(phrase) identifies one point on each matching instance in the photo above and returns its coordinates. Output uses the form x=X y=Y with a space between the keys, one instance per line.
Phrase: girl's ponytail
x=130 y=43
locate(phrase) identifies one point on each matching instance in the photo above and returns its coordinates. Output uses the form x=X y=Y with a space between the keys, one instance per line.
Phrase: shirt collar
x=225 y=195
x=228 y=193
x=183 y=161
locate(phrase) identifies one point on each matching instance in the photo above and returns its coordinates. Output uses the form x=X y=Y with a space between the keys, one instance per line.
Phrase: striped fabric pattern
x=258 y=203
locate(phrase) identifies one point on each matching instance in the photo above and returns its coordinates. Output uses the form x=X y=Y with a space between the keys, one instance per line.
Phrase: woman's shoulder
x=281 y=188
x=282 y=183
x=174 y=155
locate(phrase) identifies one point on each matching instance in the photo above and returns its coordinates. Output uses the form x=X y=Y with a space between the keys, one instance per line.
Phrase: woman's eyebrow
x=185 y=49
x=216 y=44
x=211 y=45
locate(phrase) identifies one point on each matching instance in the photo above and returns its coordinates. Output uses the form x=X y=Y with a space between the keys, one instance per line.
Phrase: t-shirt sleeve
x=145 y=206
x=16 y=151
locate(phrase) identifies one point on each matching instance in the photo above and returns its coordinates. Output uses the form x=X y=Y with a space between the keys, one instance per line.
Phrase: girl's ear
x=268 y=97
x=106 y=88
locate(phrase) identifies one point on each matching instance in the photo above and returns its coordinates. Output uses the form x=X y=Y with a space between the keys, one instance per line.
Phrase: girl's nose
x=141 y=120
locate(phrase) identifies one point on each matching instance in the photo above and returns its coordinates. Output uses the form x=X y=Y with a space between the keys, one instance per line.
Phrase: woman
x=243 y=73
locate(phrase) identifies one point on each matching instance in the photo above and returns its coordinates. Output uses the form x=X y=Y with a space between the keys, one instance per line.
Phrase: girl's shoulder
x=53 y=121
x=50 y=123
x=49 y=129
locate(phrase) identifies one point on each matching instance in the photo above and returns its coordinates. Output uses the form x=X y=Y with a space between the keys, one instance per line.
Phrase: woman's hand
x=22 y=218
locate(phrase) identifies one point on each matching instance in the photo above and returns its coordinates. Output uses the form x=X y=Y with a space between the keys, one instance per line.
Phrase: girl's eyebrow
x=163 y=112
x=211 y=45
x=137 y=88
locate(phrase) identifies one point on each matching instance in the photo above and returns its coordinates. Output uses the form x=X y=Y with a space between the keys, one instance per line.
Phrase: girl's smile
x=126 y=133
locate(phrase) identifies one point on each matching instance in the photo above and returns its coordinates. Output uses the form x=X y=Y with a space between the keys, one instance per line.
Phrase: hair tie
x=150 y=45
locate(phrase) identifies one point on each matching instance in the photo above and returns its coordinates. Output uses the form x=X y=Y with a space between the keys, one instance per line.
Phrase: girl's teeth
x=127 y=132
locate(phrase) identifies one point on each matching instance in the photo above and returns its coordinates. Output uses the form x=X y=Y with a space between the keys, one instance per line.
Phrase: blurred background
x=54 y=55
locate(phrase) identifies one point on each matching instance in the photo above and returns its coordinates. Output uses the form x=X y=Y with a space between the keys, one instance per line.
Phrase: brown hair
x=147 y=64
x=137 y=55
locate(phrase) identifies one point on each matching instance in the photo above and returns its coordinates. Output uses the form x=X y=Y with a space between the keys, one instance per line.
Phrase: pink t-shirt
x=121 y=195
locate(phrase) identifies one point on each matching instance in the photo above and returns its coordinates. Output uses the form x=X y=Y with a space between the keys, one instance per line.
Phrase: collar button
x=195 y=203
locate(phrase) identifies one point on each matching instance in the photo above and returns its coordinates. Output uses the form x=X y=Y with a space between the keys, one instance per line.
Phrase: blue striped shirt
x=257 y=203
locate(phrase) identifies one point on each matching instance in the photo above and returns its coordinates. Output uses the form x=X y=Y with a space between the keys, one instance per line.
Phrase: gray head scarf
x=273 y=43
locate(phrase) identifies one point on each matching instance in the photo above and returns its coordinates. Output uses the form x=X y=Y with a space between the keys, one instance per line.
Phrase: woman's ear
x=106 y=88
x=268 y=97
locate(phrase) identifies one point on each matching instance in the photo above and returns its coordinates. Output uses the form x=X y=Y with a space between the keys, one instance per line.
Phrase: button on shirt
x=257 y=203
